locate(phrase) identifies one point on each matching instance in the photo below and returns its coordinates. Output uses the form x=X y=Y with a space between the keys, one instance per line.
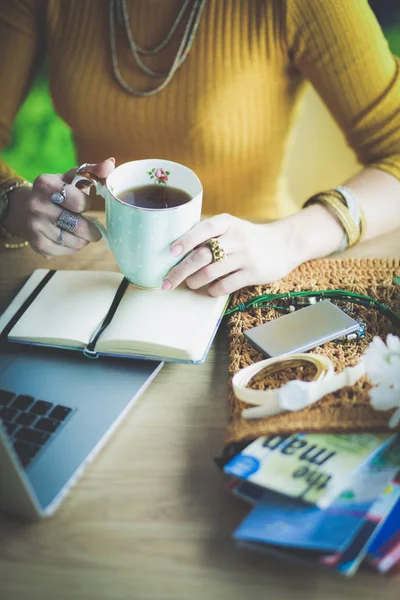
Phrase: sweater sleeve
x=340 y=48
x=22 y=52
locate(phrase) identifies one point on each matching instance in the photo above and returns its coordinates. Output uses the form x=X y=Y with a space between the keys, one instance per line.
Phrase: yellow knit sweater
x=229 y=109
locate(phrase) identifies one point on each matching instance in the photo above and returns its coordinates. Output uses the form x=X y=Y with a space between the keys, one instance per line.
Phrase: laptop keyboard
x=30 y=423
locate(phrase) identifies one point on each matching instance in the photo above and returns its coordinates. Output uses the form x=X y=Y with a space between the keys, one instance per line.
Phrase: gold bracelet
x=339 y=193
x=4 y=194
x=342 y=213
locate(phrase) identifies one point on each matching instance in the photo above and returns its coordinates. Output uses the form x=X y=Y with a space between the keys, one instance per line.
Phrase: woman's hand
x=255 y=254
x=32 y=216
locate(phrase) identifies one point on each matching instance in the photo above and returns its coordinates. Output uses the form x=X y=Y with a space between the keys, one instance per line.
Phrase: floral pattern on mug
x=159 y=175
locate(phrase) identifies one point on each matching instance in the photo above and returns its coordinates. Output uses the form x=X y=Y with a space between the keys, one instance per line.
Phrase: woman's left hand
x=254 y=254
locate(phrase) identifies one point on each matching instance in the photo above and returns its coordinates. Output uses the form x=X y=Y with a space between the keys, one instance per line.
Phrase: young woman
x=217 y=92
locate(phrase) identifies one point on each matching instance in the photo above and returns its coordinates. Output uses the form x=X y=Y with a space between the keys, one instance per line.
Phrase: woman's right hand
x=32 y=216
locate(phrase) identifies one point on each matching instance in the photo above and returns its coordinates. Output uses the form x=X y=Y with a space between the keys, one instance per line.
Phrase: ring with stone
x=62 y=238
x=68 y=221
x=59 y=197
x=218 y=253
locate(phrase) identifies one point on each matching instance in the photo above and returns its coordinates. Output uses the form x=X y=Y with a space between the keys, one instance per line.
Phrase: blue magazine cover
x=389 y=530
x=384 y=549
x=284 y=521
x=348 y=562
x=313 y=468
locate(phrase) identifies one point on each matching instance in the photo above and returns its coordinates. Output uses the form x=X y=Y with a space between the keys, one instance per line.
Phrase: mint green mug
x=140 y=238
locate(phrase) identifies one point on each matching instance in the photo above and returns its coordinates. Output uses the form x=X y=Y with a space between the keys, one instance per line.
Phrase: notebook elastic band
x=24 y=307
x=89 y=351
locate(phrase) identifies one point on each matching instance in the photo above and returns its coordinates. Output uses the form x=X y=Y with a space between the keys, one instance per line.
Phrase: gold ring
x=218 y=253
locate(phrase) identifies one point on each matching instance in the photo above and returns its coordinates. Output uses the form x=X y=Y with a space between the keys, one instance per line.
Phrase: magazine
x=285 y=521
x=314 y=468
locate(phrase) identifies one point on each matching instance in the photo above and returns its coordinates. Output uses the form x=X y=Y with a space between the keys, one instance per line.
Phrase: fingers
x=59 y=244
x=229 y=284
x=76 y=200
x=43 y=215
x=232 y=271
x=214 y=227
x=198 y=253
x=84 y=229
x=199 y=269
x=195 y=261
x=46 y=185
x=213 y=271
x=101 y=169
x=61 y=241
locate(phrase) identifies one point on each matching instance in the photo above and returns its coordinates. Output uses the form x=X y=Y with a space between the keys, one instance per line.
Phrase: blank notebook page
x=69 y=307
x=180 y=318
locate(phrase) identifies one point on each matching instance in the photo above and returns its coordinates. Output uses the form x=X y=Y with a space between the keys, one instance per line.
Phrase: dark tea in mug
x=155 y=197
x=141 y=238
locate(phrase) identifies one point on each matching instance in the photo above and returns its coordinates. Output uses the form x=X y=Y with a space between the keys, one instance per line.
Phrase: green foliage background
x=42 y=143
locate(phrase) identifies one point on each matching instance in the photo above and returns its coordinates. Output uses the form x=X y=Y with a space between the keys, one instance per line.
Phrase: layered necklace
x=119 y=17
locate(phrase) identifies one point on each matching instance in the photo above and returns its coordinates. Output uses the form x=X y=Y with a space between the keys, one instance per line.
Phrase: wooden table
x=150 y=519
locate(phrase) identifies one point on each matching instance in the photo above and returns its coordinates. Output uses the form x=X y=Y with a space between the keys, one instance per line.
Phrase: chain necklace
x=119 y=14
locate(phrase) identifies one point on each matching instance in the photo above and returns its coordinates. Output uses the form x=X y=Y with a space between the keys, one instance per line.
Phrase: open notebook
x=99 y=312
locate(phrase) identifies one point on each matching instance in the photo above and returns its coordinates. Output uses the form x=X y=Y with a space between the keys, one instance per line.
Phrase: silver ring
x=59 y=197
x=62 y=239
x=81 y=168
x=68 y=221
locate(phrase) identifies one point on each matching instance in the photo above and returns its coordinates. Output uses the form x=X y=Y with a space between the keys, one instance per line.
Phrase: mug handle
x=83 y=179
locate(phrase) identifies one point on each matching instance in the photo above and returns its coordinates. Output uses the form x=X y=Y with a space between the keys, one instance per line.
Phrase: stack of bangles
x=4 y=201
x=344 y=205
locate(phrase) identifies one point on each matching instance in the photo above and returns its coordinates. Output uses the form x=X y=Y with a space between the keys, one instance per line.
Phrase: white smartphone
x=302 y=330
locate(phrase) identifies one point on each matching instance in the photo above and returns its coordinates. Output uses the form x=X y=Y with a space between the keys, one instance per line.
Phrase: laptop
x=57 y=410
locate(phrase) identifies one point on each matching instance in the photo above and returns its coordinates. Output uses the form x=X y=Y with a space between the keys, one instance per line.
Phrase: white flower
x=382 y=365
x=384 y=397
x=382 y=361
